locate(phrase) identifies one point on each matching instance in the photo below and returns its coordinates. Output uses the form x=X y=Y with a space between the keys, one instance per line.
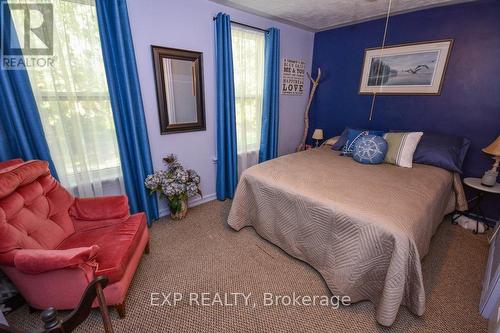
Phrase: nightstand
x=475 y=203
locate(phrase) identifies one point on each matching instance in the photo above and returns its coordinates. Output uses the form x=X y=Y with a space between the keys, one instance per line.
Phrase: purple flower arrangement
x=175 y=183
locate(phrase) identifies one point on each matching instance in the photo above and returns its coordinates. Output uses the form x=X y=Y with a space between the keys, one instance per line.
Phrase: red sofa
x=53 y=244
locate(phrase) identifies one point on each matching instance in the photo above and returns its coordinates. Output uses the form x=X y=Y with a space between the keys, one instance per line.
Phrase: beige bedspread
x=364 y=228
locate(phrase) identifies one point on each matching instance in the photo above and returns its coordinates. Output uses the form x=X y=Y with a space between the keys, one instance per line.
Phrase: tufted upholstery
x=52 y=244
x=33 y=210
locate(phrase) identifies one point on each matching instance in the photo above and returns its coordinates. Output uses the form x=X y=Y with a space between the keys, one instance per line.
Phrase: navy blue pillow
x=348 y=137
x=353 y=135
x=444 y=151
x=341 y=141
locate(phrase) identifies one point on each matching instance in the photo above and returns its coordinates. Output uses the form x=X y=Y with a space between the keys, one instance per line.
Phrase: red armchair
x=53 y=244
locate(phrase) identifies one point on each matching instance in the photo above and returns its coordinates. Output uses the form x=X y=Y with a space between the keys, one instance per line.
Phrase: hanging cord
x=380 y=57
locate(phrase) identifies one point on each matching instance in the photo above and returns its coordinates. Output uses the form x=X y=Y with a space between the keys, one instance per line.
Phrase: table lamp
x=317 y=135
x=490 y=176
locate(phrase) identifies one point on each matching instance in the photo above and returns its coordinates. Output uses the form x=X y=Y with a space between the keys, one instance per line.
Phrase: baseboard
x=192 y=203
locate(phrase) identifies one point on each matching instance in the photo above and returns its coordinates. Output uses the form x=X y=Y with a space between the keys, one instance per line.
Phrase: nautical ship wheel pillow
x=370 y=149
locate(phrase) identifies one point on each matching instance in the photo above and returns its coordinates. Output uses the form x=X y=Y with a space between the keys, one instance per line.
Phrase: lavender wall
x=469 y=104
x=188 y=24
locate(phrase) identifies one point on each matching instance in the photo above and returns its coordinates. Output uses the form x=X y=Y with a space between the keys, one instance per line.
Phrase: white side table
x=476 y=183
x=482 y=191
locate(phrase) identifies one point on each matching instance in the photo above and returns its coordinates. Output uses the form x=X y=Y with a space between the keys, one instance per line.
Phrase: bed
x=364 y=228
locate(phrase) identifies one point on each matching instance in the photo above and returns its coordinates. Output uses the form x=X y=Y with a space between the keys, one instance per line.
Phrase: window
x=248 y=63
x=73 y=101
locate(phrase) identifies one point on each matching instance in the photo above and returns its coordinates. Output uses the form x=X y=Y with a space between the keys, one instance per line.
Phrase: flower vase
x=181 y=213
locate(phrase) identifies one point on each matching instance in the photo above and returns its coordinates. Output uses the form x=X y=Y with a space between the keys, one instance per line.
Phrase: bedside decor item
x=405 y=69
x=176 y=185
x=490 y=176
x=370 y=149
x=315 y=83
x=401 y=147
x=317 y=135
x=179 y=89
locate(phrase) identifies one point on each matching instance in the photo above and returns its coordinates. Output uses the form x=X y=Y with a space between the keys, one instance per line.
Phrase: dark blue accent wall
x=469 y=104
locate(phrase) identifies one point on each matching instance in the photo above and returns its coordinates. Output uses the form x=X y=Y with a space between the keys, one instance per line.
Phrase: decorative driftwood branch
x=315 y=83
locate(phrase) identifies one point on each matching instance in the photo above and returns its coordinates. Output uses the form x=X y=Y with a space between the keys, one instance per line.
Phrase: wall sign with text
x=292 y=77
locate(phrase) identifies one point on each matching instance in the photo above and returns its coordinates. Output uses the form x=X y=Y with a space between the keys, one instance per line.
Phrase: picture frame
x=406 y=69
x=179 y=89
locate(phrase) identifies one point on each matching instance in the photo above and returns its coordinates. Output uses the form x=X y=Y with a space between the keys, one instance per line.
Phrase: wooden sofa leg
x=147 y=248
x=120 y=308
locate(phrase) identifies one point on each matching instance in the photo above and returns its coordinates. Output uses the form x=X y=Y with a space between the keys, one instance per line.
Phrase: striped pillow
x=401 y=147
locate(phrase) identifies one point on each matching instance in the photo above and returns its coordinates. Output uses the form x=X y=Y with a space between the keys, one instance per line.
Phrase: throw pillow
x=331 y=141
x=401 y=147
x=444 y=151
x=341 y=141
x=352 y=136
x=370 y=149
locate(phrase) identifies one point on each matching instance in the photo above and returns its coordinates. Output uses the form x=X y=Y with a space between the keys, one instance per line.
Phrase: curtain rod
x=246 y=25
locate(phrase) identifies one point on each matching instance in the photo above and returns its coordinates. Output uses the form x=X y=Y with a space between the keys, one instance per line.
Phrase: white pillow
x=331 y=141
x=401 y=147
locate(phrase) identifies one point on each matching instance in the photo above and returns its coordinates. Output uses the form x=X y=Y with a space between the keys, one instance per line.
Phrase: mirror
x=179 y=89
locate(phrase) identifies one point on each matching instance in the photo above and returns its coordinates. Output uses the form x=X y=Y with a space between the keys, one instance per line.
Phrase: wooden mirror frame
x=159 y=53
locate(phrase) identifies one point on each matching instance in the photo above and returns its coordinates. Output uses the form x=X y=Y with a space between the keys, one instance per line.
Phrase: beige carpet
x=202 y=254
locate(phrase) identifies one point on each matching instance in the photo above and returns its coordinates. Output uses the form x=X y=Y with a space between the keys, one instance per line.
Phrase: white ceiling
x=317 y=15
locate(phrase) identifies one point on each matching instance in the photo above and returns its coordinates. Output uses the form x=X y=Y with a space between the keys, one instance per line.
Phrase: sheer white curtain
x=248 y=62
x=73 y=101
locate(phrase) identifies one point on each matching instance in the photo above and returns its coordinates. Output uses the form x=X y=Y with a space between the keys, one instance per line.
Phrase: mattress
x=364 y=228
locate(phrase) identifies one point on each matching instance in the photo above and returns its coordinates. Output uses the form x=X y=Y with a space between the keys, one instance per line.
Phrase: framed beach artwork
x=406 y=69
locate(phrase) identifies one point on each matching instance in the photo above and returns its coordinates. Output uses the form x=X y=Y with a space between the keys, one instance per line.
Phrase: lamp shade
x=493 y=148
x=318 y=134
